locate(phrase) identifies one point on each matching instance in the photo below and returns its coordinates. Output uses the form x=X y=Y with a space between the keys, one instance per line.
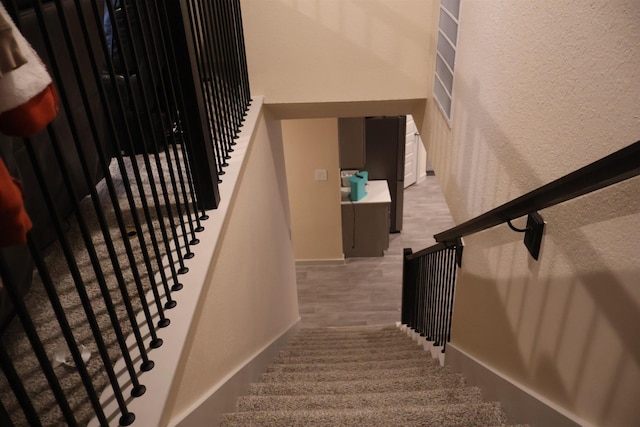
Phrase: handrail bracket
x=533 y=234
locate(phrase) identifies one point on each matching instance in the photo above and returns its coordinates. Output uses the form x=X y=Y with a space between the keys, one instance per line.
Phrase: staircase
x=360 y=376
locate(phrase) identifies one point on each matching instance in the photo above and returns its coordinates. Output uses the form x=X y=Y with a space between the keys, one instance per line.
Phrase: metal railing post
x=201 y=157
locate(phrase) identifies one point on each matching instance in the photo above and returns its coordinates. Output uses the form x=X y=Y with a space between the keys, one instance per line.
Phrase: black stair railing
x=152 y=97
x=429 y=275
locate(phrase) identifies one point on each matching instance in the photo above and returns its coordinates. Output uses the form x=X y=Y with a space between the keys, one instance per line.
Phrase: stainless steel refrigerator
x=385 y=157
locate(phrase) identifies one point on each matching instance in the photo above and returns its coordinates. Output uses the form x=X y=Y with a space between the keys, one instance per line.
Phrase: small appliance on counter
x=357 y=183
x=345 y=174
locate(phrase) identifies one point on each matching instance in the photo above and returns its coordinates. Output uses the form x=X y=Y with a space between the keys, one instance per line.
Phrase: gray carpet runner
x=360 y=376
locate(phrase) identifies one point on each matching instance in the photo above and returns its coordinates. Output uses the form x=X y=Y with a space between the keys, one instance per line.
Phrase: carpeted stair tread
x=402 y=354
x=443 y=380
x=359 y=329
x=347 y=375
x=305 y=336
x=360 y=400
x=342 y=336
x=471 y=415
x=350 y=366
x=358 y=343
x=360 y=376
x=350 y=351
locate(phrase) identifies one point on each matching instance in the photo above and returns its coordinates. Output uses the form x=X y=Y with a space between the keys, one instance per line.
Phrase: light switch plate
x=321 y=174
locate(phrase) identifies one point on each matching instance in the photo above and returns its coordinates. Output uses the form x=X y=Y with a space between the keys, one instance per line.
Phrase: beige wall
x=315 y=205
x=543 y=88
x=302 y=51
x=251 y=297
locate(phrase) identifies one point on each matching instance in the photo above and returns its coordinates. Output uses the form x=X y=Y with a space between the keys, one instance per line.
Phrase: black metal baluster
x=168 y=106
x=18 y=388
x=5 y=419
x=67 y=332
x=127 y=417
x=156 y=201
x=419 y=291
x=155 y=342
x=445 y=293
x=200 y=40
x=159 y=86
x=454 y=269
x=202 y=155
x=440 y=297
x=406 y=286
x=187 y=149
x=218 y=58
x=234 y=51
x=431 y=298
x=420 y=263
x=424 y=278
x=230 y=117
x=222 y=32
x=174 y=86
x=146 y=363
x=415 y=310
x=234 y=62
x=86 y=234
x=243 y=57
x=214 y=88
x=445 y=299
x=161 y=175
x=34 y=339
x=138 y=389
x=436 y=298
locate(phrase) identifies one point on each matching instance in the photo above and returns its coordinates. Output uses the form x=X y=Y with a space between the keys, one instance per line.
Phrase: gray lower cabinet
x=365 y=229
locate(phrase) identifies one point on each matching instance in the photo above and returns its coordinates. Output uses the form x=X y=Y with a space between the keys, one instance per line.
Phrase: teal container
x=357 y=183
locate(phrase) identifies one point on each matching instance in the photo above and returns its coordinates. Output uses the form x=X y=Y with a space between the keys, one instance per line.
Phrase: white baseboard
x=521 y=405
x=222 y=398
x=330 y=261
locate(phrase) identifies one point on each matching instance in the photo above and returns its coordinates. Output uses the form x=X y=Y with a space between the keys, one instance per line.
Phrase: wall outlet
x=321 y=174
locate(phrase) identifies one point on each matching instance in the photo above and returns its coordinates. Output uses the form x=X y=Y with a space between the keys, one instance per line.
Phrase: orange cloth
x=32 y=116
x=14 y=221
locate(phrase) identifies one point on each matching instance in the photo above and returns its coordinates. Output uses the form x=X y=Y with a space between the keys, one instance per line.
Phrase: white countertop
x=377 y=192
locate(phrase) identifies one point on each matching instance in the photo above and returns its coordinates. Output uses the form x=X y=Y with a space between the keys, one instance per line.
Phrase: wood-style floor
x=366 y=291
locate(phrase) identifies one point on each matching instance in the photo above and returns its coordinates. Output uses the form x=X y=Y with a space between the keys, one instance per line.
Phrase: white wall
x=316 y=221
x=251 y=296
x=315 y=51
x=543 y=88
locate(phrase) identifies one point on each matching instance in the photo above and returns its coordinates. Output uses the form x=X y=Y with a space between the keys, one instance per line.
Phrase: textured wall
x=315 y=205
x=543 y=88
x=302 y=51
x=251 y=297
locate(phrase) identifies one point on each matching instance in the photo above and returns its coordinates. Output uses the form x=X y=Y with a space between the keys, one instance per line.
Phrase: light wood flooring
x=366 y=291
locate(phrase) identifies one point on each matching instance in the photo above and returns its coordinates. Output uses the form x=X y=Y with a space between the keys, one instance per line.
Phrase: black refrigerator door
x=385 y=143
x=385 y=140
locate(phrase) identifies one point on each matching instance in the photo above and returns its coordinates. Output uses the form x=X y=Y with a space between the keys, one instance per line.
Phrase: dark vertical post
x=421 y=263
x=406 y=287
x=201 y=160
x=453 y=271
x=429 y=298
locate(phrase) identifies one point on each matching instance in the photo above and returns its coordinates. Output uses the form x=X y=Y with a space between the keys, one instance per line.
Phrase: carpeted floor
x=40 y=310
x=360 y=376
